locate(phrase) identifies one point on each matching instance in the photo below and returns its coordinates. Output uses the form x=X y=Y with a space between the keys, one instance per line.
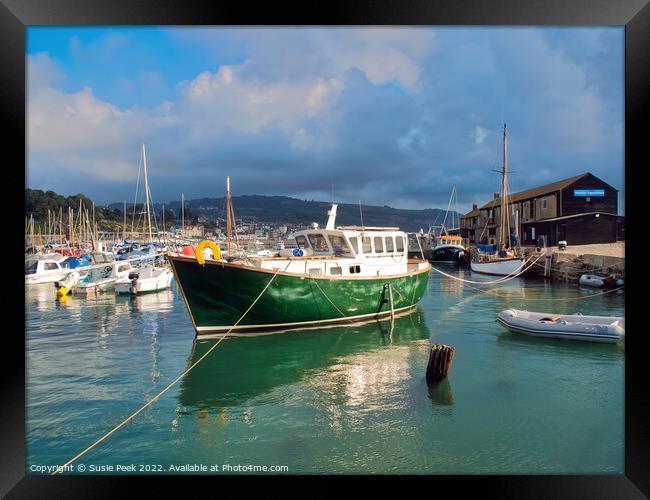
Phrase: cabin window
x=301 y=241
x=337 y=271
x=355 y=269
x=315 y=271
x=400 y=244
x=121 y=269
x=367 y=247
x=390 y=247
x=30 y=267
x=318 y=243
x=379 y=245
x=339 y=245
x=50 y=266
x=354 y=242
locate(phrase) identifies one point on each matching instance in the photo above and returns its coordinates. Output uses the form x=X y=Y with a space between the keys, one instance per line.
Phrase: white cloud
x=479 y=134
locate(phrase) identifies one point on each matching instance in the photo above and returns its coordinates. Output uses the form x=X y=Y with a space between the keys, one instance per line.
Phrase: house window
x=379 y=245
x=543 y=203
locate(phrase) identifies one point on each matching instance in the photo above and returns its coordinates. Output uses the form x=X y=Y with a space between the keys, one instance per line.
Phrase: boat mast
x=183 y=212
x=228 y=222
x=146 y=191
x=124 y=226
x=504 y=205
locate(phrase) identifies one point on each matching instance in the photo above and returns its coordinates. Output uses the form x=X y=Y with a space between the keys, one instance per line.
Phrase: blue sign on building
x=588 y=192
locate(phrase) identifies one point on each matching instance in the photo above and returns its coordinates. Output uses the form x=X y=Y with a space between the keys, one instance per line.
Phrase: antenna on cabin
x=361 y=214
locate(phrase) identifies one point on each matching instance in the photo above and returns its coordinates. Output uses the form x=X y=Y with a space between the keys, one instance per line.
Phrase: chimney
x=474 y=206
x=496 y=195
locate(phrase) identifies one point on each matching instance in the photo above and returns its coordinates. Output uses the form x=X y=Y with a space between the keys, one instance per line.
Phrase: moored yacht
x=505 y=261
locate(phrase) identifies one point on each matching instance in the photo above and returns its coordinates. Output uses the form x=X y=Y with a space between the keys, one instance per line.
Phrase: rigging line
x=156 y=397
x=137 y=185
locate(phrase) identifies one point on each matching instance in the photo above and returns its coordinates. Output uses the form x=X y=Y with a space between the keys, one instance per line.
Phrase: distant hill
x=283 y=209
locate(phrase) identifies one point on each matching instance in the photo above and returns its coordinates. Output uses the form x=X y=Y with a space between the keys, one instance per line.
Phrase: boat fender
x=198 y=251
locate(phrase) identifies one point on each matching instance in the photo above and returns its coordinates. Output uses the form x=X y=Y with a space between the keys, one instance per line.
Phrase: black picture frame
x=15 y=15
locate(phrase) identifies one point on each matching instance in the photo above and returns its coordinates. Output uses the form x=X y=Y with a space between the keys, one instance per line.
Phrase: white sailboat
x=147 y=278
x=503 y=262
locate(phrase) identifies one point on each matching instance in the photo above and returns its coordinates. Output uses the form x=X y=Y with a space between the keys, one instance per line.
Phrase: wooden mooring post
x=440 y=358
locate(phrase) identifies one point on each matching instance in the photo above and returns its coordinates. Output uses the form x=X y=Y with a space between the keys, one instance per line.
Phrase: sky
x=385 y=116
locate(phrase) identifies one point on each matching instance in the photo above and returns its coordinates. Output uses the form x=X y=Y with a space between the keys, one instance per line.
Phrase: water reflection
x=528 y=345
x=440 y=393
x=350 y=362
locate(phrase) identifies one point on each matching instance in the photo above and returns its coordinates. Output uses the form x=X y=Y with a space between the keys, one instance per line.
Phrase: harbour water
x=348 y=399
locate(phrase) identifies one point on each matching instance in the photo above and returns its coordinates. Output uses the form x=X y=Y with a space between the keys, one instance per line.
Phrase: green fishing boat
x=334 y=275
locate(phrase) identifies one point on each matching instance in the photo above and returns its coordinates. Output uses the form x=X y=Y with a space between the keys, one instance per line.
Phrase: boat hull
x=504 y=267
x=47 y=277
x=448 y=254
x=144 y=285
x=218 y=294
x=606 y=331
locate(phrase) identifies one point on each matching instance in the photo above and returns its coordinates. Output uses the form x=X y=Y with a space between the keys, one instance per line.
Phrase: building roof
x=538 y=191
x=533 y=192
x=573 y=216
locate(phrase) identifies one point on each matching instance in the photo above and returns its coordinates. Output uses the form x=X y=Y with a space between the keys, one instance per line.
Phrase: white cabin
x=350 y=251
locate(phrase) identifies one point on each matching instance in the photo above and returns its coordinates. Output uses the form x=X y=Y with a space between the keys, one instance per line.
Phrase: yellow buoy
x=62 y=292
x=198 y=252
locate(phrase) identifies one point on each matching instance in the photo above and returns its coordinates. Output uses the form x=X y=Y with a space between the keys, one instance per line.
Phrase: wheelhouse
x=354 y=242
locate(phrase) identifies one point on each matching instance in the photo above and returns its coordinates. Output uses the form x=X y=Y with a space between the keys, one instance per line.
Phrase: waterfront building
x=580 y=210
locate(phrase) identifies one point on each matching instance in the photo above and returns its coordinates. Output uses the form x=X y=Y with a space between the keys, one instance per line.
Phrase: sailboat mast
x=146 y=191
x=228 y=215
x=504 y=206
x=183 y=212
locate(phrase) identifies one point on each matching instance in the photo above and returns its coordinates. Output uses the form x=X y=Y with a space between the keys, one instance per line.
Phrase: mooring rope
x=576 y=267
x=565 y=299
x=157 y=396
x=519 y=271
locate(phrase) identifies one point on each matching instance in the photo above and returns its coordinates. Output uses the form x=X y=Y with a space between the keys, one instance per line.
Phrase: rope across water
x=157 y=396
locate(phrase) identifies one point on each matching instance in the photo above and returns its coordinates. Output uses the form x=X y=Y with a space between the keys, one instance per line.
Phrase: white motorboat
x=604 y=329
x=64 y=286
x=103 y=278
x=145 y=279
x=45 y=269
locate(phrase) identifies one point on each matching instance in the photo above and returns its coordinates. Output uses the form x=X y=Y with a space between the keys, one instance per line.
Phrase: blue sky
x=390 y=116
